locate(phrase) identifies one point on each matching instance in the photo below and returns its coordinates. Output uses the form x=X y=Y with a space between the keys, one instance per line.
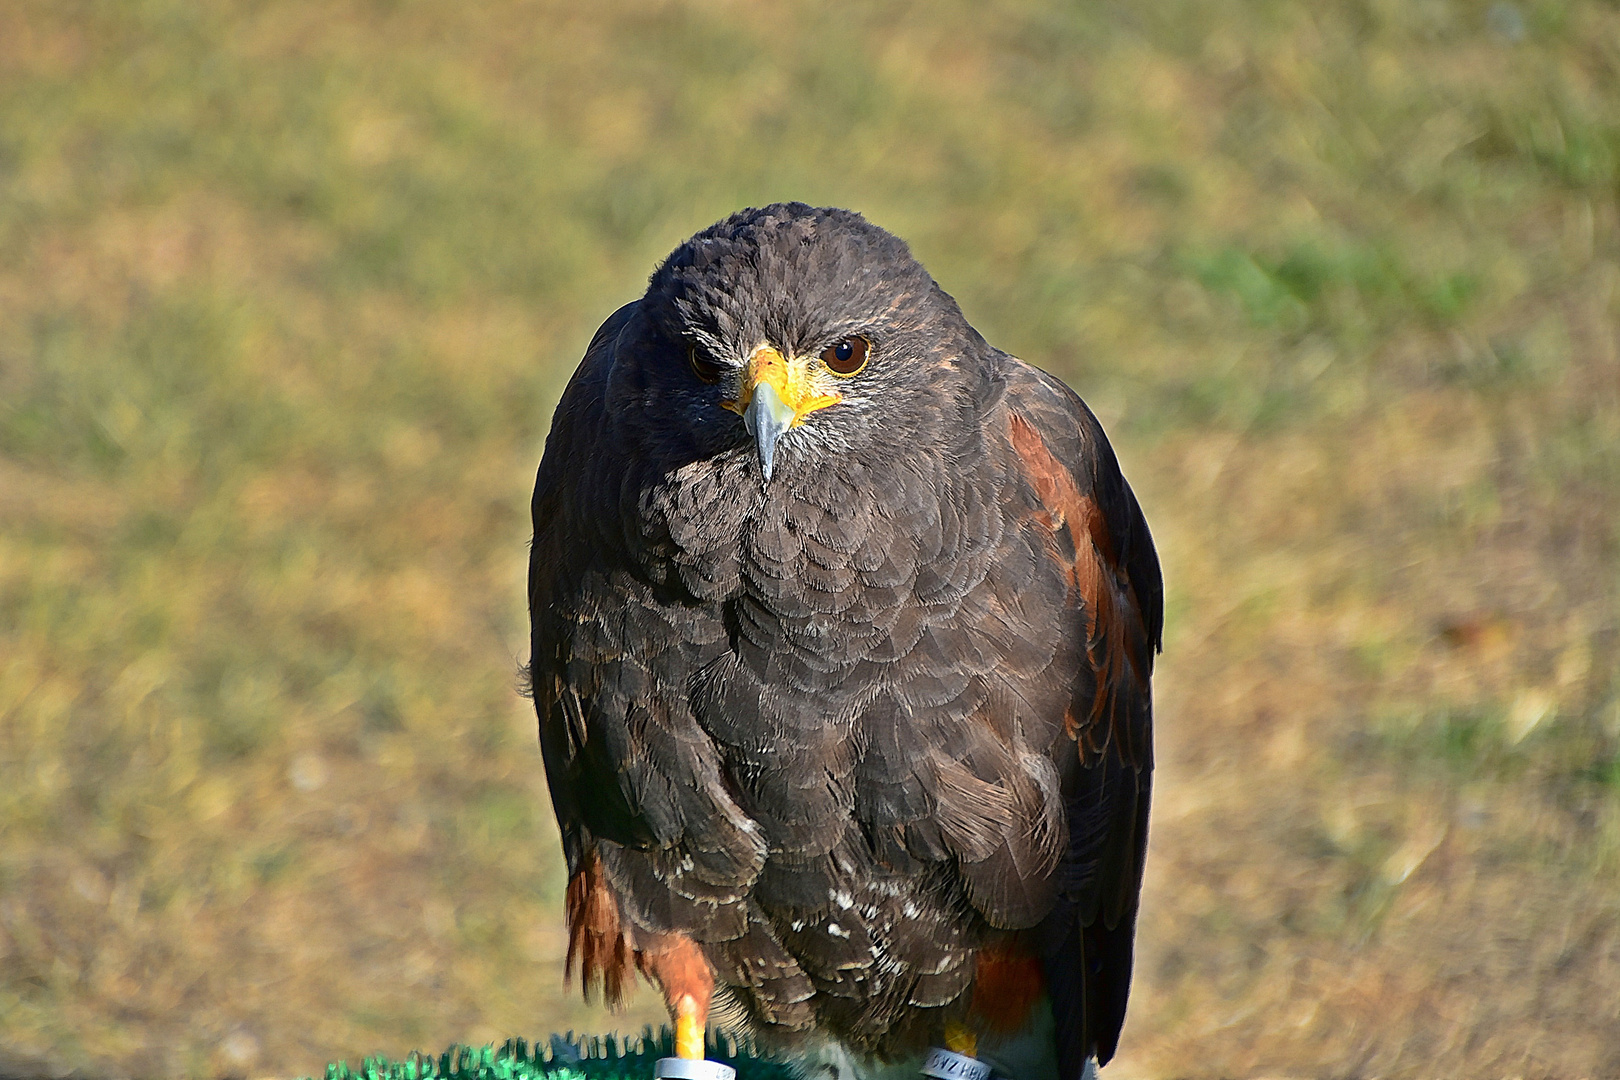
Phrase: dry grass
x=286 y=294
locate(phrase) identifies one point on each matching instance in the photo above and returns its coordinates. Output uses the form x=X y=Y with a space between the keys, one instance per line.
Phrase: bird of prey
x=843 y=626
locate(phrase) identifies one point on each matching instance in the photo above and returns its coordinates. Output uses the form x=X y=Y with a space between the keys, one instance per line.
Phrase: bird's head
x=808 y=333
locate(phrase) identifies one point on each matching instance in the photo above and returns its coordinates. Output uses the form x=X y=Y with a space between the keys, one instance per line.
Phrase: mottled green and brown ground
x=287 y=291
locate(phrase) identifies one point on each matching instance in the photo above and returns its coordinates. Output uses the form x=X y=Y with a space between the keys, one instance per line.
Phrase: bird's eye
x=845 y=358
x=704 y=366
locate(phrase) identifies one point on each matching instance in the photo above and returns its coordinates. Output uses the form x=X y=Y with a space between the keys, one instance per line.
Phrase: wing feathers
x=1096 y=534
x=1115 y=636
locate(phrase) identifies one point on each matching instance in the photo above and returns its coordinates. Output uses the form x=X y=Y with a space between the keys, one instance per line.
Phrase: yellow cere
x=792 y=378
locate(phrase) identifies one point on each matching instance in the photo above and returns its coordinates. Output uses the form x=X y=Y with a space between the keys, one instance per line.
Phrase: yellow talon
x=961 y=1040
x=688 y=1032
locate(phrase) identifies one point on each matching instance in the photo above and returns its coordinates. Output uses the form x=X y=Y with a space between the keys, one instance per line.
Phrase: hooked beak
x=767 y=419
x=776 y=395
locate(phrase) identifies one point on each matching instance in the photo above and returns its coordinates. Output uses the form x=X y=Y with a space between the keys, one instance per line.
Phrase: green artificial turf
x=563 y=1057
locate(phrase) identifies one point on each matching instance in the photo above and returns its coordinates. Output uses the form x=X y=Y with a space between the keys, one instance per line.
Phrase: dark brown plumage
x=843 y=680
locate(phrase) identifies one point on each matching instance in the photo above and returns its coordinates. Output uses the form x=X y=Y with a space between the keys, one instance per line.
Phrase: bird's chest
x=824 y=571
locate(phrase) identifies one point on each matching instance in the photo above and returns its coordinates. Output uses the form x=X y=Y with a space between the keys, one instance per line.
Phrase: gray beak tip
x=767 y=418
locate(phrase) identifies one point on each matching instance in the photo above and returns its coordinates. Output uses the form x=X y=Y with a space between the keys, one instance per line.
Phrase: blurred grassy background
x=288 y=290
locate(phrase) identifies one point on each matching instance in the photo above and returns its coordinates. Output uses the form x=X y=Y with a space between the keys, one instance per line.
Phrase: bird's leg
x=961 y=1039
x=689 y=1026
x=682 y=972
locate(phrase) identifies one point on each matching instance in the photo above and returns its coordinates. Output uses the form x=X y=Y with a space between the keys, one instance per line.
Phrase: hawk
x=843 y=626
